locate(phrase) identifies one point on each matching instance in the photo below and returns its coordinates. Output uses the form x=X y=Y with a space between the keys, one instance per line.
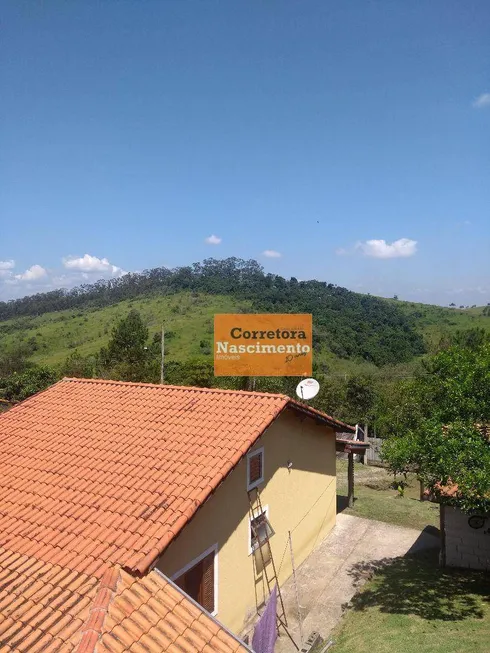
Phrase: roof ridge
x=300 y=405
x=176 y=387
x=294 y=403
x=92 y=629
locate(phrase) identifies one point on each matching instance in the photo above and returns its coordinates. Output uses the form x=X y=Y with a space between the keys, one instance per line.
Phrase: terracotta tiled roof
x=99 y=475
x=151 y=614
x=45 y=607
x=448 y=491
x=42 y=605
x=97 y=472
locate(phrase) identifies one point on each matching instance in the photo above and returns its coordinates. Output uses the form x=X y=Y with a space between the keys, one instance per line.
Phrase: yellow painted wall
x=302 y=500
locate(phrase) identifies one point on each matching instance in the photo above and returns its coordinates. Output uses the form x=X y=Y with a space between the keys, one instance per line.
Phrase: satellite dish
x=307 y=389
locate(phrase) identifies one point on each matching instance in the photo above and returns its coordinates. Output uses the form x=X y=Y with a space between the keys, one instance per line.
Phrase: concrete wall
x=465 y=546
x=302 y=500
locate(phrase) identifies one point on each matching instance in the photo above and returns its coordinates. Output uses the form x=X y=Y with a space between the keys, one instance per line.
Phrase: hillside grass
x=433 y=322
x=188 y=320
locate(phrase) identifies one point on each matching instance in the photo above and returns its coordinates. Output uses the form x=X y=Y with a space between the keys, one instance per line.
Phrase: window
x=199 y=580
x=255 y=468
x=260 y=529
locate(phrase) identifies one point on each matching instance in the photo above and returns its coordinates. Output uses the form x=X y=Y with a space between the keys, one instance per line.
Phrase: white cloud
x=482 y=101
x=401 y=248
x=271 y=253
x=77 y=270
x=213 y=240
x=34 y=273
x=6 y=269
x=88 y=263
x=341 y=251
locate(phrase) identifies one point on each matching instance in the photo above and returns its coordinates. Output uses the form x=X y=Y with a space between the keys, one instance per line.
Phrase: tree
x=76 y=365
x=360 y=399
x=15 y=359
x=128 y=340
x=18 y=387
x=398 y=408
x=192 y=372
x=443 y=441
x=472 y=338
x=127 y=357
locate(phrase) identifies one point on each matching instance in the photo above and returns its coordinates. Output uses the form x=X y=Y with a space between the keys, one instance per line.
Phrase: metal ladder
x=271 y=574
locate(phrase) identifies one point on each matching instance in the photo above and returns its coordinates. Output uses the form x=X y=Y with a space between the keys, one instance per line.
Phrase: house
x=154 y=484
x=465 y=538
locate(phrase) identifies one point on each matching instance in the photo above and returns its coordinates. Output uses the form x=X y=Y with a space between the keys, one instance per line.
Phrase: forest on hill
x=365 y=348
x=348 y=324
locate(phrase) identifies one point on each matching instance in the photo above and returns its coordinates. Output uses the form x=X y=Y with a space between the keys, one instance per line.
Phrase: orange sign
x=266 y=344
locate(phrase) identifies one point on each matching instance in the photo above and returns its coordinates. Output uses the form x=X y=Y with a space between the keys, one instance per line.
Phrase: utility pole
x=162 y=361
x=350 y=479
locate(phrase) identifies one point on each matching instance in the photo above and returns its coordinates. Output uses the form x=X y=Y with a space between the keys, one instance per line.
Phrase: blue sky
x=352 y=138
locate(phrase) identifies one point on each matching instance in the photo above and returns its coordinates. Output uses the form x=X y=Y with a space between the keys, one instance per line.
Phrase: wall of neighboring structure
x=463 y=545
x=301 y=500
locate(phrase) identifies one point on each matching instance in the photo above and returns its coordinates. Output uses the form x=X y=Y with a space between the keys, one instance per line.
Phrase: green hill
x=352 y=332
x=435 y=322
x=188 y=320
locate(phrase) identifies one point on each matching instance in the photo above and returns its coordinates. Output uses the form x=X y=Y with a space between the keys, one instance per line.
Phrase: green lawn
x=413 y=606
x=376 y=499
x=410 y=605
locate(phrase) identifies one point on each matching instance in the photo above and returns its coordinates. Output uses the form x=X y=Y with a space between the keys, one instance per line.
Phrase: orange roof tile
x=153 y=614
x=101 y=473
x=41 y=604
x=87 y=615
x=95 y=472
x=440 y=491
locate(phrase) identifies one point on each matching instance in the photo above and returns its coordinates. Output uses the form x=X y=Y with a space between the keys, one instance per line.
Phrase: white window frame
x=194 y=562
x=251 y=454
x=265 y=511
